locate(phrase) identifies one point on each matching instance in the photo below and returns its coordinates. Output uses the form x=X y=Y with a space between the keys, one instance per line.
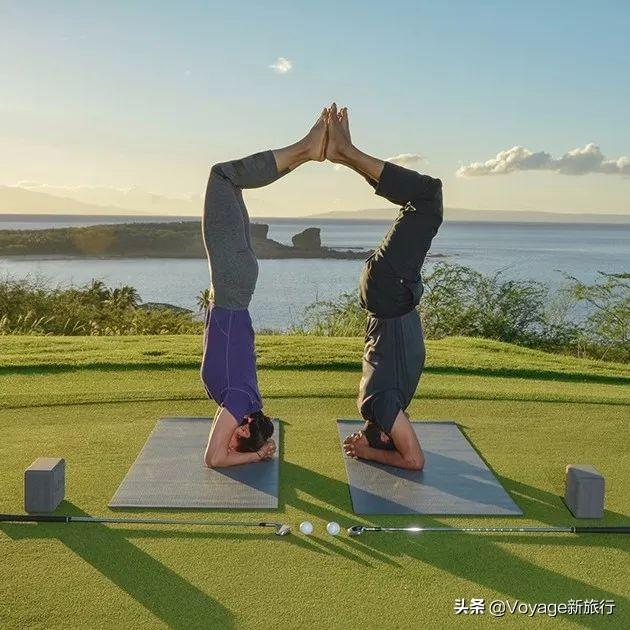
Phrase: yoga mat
x=455 y=479
x=169 y=472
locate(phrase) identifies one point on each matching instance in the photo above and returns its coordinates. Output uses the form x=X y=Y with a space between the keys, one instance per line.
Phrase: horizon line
x=555 y=216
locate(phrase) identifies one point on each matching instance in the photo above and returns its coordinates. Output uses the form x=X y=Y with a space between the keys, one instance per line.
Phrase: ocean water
x=285 y=287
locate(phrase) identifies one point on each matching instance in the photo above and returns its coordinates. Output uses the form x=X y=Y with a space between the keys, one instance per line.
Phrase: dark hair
x=373 y=434
x=260 y=430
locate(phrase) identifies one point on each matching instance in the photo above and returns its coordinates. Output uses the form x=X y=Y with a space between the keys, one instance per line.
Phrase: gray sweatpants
x=233 y=264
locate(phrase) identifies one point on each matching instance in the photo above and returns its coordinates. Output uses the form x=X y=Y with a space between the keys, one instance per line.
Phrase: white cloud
x=408 y=160
x=282 y=65
x=588 y=159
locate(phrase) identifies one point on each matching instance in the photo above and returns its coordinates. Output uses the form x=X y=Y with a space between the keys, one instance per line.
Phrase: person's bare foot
x=338 y=136
x=317 y=137
x=345 y=122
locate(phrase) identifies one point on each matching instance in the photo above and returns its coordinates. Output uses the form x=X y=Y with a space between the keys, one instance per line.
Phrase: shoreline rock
x=310 y=238
x=181 y=239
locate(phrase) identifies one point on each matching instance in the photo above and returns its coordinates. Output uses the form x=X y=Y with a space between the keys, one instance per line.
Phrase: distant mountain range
x=135 y=200
x=17 y=200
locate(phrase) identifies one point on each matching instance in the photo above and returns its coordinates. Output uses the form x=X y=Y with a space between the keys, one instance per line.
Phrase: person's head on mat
x=377 y=438
x=244 y=441
x=252 y=433
x=381 y=434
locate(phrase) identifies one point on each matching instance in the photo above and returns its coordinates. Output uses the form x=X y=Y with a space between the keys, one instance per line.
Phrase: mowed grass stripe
x=480 y=356
x=90 y=386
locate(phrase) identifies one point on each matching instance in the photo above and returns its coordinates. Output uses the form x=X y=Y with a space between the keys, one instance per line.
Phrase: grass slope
x=94 y=401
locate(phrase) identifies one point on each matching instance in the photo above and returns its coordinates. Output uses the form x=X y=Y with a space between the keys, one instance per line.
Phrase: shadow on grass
x=506 y=372
x=479 y=559
x=532 y=373
x=482 y=560
x=168 y=596
x=551 y=399
x=350 y=366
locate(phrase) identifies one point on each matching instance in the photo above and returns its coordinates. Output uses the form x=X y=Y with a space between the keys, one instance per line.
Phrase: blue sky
x=143 y=94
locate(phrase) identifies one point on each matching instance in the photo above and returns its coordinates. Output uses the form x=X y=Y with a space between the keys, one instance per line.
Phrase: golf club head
x=283 y=530
x=355 y=530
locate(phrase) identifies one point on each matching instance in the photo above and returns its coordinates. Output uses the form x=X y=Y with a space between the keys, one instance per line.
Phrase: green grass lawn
x=94 y=401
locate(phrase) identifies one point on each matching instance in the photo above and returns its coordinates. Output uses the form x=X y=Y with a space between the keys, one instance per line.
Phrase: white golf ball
x=333 y=528
x=306 y=527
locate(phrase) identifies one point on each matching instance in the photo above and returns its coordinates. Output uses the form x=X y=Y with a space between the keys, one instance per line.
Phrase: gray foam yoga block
x=584 y=491
x=44 y=484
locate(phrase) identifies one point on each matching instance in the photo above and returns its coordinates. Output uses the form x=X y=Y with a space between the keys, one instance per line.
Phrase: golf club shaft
x=54 y=518
x=473 y=529
x=567 y=529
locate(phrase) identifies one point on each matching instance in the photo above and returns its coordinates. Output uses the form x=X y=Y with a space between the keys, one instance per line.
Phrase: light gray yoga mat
x=455 y=479
x=169 y=473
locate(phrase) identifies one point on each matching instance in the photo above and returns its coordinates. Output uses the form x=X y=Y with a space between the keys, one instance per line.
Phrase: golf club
x=357 y=530
x=280 y=528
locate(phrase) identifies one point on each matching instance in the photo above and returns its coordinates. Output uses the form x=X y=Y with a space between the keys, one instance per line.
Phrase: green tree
x=124 y=297
x=608 y=318
x=97 y=291
x=203 y=299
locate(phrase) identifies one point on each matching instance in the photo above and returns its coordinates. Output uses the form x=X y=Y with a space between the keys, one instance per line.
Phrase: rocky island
x=156 y=240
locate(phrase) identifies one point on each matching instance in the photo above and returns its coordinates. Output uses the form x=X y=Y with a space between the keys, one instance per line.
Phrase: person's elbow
x=214 y=460
x=414 y=461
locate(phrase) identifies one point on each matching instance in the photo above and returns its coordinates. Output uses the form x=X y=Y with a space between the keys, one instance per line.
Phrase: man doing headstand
x=390 y=289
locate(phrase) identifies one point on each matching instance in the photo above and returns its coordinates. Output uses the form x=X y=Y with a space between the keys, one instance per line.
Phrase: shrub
x=28 y=306
x=461 y=301
x=341 y=317
x=607 y=322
